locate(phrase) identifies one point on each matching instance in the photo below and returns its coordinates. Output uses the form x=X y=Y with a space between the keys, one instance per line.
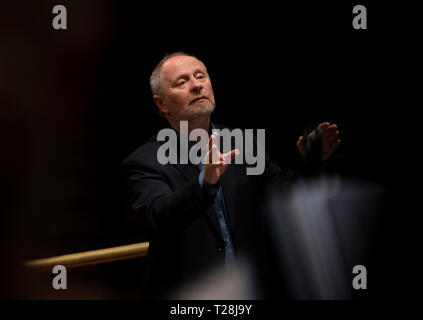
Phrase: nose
x=196 y=85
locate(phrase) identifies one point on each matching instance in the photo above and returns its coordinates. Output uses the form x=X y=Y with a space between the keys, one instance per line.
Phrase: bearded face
x=186 y=90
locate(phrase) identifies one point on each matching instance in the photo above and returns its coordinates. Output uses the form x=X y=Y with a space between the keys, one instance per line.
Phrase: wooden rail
x=92 y=257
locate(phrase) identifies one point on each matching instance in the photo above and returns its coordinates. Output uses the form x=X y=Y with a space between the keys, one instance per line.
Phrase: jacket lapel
x=190 y=172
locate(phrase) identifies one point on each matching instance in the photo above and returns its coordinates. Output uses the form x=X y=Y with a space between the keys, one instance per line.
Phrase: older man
x=206 y=215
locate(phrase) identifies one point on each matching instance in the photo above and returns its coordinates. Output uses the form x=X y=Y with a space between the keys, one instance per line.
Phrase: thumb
x=300 y=146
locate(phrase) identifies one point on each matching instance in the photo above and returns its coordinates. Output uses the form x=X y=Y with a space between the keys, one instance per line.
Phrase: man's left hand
x=330 y=140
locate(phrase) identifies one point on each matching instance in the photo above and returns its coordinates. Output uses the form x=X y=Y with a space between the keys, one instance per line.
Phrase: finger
x=329 y=130
x=323 y=125
x=207 y=158
x=217 y=165
x=332 y=127
x=329 y=145
x=331 y=149
x=335 y=144
x=213 y=140
x=227 y=157
x=213 y=150
x=234 y=153
x=300 y=146
x=213 y=156
x=329 y=140
x=336 y=134
x=329 y=135
x=210 y=143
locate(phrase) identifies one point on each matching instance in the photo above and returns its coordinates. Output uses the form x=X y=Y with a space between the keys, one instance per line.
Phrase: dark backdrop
x=76 y=102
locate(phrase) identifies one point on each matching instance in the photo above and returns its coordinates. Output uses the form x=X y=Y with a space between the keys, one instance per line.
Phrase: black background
x=76 y=102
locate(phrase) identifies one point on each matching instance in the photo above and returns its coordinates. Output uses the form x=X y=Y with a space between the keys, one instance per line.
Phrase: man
x=207 y=215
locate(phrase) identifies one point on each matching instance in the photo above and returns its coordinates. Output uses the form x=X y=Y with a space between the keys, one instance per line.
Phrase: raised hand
x=330 y=140
x=216 y=163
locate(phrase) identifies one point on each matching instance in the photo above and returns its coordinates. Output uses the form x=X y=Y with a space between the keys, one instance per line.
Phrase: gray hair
x=156 y=75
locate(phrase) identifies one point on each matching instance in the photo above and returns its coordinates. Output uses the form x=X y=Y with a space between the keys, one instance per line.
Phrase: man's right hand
x=216 y=163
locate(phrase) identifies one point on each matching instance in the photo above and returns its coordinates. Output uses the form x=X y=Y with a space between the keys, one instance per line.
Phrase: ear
x=160 y=103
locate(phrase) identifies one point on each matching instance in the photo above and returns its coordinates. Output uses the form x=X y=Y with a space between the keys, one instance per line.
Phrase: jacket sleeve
x=152 y=197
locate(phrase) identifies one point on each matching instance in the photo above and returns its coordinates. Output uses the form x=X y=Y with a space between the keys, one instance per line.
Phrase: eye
x=200 y=76
x=180 y=83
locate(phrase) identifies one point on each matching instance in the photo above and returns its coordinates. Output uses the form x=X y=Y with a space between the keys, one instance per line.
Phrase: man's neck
x=198 y=123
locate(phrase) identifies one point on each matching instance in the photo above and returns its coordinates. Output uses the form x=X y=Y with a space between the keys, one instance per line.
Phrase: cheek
x=180 y=98
x=186 y=96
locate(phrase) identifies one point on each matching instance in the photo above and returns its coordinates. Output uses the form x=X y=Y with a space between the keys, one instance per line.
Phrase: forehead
x=179 y=65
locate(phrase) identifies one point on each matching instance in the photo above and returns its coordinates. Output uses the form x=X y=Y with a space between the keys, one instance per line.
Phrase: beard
x=197 y=110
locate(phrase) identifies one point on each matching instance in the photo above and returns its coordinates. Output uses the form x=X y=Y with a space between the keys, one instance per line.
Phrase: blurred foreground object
x=321 y=228
x=216 y=284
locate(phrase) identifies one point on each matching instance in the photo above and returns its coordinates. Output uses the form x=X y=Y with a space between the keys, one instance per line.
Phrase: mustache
x=198 y=98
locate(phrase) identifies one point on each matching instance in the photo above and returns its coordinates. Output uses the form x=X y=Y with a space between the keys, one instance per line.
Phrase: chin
x=198 y=112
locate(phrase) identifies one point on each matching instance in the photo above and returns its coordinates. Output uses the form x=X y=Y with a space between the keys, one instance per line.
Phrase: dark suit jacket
x=185 y=238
